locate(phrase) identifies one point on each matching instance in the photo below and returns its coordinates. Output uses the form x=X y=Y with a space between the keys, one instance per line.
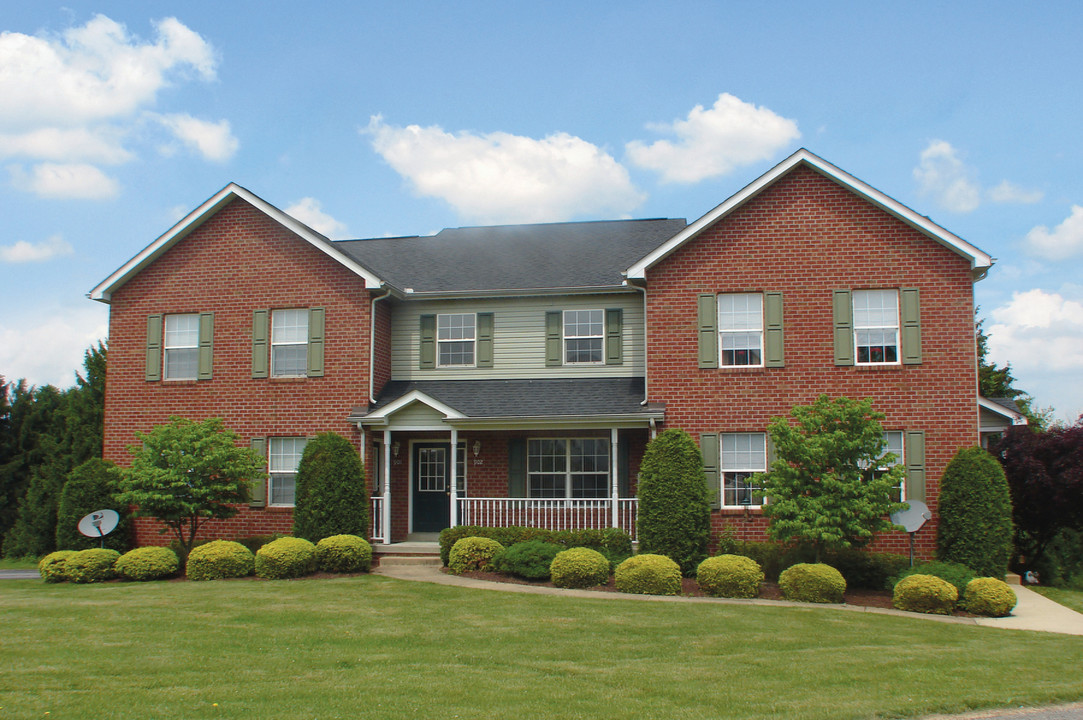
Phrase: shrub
x=579 y=568
x=93 y=565
x=925 y=594
x=52 y=566
x=529 y=560
x=473 y=553
x=674 y=504
x=975 y=509
x=956 y=574
x=869 y=570
x=648 y=575
x=220 y=559
x=812 y=582
x=989 y=596
x=732 y=576
x=344 y=554
x=287 y=557
x=90 y=487
x=332 y=496
x=148 y=563
x=612 y=542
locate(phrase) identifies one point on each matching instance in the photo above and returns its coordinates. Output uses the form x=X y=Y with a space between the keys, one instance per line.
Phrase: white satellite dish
x=99 y=523
x=912 y=517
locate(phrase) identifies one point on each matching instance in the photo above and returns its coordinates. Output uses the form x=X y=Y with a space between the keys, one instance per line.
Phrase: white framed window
x=584 y=337
x=568 y=468
x=181 y=346
x=740 y=329
x=893 y=443
x=283 y=457
x=876 y=326
x=289 y=343
x=456 y=334
x=743 y=455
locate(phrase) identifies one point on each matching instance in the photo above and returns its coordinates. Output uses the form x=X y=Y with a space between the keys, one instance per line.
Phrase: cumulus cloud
x=714 y=142
x=70 y=181
x=1063 y=241
x=23 y=252
x=48 y=347
x=310 y=212
x=1007 y=192
x=214 y=141
x=499 y=177
x=942 y=174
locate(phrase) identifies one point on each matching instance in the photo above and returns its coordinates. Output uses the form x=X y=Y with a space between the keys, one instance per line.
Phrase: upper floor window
x=584 y=336
x=740 y=329
x=455 y=336
x=876 y=326
x=283 y=458
x=289 y=343
x=568 y=468
x=743 y=455
x=181 y=347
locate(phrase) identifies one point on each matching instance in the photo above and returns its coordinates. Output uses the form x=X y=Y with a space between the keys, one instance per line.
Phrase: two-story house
x=521 y=370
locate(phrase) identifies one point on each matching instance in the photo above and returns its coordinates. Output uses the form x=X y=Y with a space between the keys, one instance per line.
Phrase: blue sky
x=368 y=119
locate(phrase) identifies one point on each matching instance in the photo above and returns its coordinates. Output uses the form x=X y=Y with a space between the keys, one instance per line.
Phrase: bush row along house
x=513 y=375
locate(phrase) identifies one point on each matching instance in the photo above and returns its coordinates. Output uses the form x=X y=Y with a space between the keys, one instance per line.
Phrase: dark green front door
x=431 y=487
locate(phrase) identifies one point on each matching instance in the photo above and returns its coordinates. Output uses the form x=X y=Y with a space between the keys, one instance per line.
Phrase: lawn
x=375 y=647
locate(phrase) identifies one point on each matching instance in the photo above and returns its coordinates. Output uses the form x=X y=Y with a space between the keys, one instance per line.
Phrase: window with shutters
x=740 y=329
x=568 y=468
x=876 y=326
x=743 y=455
x=893 y=443
x=180 y=345
x=455 y=336
x=283 y=457
x=584 y=337
x=289 y=343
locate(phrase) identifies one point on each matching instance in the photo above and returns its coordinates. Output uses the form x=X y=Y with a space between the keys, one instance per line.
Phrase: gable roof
x=1003 y=407
x=980 y=262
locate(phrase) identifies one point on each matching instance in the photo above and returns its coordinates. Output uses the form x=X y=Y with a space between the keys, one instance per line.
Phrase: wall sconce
x=476 y=448
x=395 y=448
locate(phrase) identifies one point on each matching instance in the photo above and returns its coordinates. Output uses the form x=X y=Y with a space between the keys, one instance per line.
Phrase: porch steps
x=413 y=553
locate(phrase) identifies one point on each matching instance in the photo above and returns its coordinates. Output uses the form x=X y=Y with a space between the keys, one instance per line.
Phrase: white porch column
x=386 y=509
x=454 y=477
x=614 y=475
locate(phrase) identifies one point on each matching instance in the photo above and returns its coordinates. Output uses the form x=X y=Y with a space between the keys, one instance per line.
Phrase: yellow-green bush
x=220 y=559
x=925 y=594
x=579 y=568
x=287 y=557
x=473 y=553
x=812 y=582
x=148 y=563
x=732 y=576
x=51 y=567
x=343 y=554
x=648 y=574
x=93 y=565
x=989 y=596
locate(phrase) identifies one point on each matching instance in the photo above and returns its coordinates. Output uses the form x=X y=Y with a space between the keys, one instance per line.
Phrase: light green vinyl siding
x=417 y=414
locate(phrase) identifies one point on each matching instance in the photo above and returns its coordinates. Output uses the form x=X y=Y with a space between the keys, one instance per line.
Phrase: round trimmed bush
x=473 y=553
x=812 y=582
x=148 y=563
x=990 y=597
x=648 y=575
x=220 y=559
x=529 y=560
x=288 y=557
x=51 y=567
x=956 y=574
x=93 y=565
x=579 y=568
x=731 y=576
x=343 y=554
x=925 y=594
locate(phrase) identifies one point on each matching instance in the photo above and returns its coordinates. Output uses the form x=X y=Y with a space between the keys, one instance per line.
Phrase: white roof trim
x=382 y=416
x=1017 y=418
x=979 y=260
x=104 y=290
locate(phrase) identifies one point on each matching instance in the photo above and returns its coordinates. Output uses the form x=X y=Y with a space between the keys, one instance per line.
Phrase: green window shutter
x=428 y=342
x=915 y=465
x=206 y=345
x=554 y=338
x=708 y=447
x=260 y=350
x=517 y=467
x=316 y=322
x=154 y=348
x=708 y=330
x=614 y=329
x=843 y=312
x=770 y=450
x=772 y=317
x=623 y=460
x=484 y=357
x=257 y=489
x=911 y=326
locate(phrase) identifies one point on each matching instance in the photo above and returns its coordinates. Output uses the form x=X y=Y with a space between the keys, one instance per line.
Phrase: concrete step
x=400 y=560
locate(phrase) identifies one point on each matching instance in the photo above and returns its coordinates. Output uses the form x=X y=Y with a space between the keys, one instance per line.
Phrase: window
x=876 y=326
x=181 y=346
x=740 y=329
x=893 y=443
x=568 y=468
x=584 y=336
x=289 y=343
x=743 y=455
x=455 y=335
x=283 y=457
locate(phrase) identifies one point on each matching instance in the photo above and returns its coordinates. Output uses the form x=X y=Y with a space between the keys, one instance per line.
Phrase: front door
x=431 y=487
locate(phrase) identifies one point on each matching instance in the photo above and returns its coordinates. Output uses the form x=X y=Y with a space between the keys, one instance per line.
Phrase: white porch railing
x=378 y=519
x=551 y=514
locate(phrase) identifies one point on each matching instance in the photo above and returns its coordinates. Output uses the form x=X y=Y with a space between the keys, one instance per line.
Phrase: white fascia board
x=104 y=290
x=1016 y=418
x=980 y=261
x=382 y=416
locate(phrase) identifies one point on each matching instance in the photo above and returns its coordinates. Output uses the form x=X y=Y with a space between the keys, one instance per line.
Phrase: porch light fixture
x=395 y=448
x=476 y=448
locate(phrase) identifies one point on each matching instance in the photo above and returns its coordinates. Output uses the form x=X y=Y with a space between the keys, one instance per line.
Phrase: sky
x=373 y=119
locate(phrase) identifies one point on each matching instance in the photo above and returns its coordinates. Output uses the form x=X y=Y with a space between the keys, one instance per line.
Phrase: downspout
x=644 y=291
x=372 y=345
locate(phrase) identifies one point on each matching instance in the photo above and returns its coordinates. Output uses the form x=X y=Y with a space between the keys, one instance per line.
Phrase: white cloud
x=214 y=141
x=943 y=175
x=22 y=251
x=73 y=181
x=714 y=142
x=309 y=211
x=1007 y=192
x=499 y=177
x=101 y=145
x=49 y=348
x=1063 y=241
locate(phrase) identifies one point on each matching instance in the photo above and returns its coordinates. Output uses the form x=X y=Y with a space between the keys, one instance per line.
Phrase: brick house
x=522 y=369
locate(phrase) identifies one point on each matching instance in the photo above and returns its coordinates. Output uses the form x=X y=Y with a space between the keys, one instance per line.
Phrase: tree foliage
x=331 y=498
x=90 y=487
x=998 y=382
x=975 y=526
x=821 y=488
x=185 y=473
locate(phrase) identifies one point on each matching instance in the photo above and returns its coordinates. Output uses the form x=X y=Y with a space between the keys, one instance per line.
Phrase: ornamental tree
x=332 y=498
x=831 y=483
x=186 y=473
x=975 y=526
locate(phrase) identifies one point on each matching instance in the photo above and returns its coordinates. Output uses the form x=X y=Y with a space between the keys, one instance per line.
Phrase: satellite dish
x=913 y=516
x=99 y=523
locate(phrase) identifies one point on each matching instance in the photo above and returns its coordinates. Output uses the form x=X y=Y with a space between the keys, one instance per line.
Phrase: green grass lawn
x=1068 y=597
x=18 y=563
x=374 y=647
